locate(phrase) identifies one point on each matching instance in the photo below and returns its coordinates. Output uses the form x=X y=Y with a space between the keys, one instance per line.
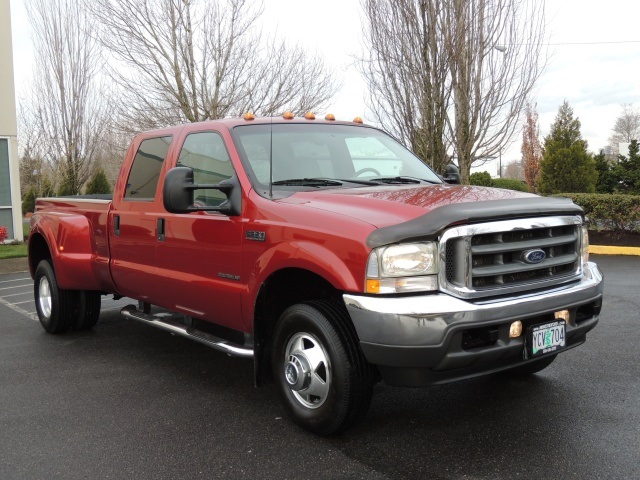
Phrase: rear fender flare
x=68 y=237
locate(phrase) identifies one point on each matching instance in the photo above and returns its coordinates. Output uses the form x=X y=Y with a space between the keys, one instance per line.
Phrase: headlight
x=408 y=259
x=409 y=267
x=585 y=245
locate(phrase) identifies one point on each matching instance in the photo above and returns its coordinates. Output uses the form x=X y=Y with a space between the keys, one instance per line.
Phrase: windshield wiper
x=309 y=182
x=399 y=180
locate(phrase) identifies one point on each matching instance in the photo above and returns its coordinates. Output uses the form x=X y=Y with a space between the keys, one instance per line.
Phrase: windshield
x=307 y=156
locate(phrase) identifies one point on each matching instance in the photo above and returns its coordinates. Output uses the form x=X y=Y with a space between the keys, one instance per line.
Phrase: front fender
x=68 y=237
x=309 y=256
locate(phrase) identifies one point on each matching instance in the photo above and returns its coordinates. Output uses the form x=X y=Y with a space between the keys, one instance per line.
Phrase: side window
x=145 y=171
x=206 y=154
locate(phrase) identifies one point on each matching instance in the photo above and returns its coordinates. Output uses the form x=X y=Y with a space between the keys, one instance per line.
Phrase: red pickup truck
x=326 y=252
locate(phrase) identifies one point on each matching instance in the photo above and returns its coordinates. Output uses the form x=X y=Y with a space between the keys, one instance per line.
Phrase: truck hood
x=389 y=205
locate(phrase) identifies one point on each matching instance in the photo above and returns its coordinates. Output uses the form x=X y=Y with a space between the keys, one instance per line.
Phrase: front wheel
x=324 y=381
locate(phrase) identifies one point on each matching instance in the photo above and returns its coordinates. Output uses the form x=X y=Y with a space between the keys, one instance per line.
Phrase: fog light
x=515 y=330
x=563 y=315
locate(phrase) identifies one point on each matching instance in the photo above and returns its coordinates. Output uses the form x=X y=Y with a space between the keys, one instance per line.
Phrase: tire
x=529 y=369
x=323 y=379
x=88 y=310
x=56 y=308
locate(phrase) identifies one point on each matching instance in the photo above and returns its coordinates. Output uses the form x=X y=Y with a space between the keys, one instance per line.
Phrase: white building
x=10 y=205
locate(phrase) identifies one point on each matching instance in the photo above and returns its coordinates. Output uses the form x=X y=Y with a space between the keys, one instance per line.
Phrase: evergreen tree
x=566 y=165
x=98 y=183
x=628 y=170
x=66 y=188
x=29 y=201
x=46 y=189
x=607 y=177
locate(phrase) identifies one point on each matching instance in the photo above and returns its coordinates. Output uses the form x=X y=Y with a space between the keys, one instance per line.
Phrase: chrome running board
x=130 y=311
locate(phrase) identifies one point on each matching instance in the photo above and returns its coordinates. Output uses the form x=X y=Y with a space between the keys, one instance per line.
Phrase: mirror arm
x=223 y=187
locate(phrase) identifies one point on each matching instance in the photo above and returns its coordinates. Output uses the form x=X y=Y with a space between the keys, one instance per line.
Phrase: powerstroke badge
x=255 y=235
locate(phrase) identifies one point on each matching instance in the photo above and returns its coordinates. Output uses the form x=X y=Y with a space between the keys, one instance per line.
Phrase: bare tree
x=65 y=96
x=626 y=128
x=405 y=68
x=514 y=170
x=531 y=148
x=193 y=60
x=484 y=57
x=30 y=150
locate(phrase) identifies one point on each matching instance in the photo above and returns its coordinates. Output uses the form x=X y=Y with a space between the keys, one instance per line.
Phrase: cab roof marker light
x=330 y=117
x=310 y=116
x=249 y=116
x=358 y=120
x=288 y=115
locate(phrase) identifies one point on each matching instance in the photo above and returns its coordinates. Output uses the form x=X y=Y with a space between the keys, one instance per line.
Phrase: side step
x=130 y=311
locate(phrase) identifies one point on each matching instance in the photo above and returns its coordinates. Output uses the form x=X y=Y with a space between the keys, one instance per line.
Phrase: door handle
x=116 y=225
x=160 y=230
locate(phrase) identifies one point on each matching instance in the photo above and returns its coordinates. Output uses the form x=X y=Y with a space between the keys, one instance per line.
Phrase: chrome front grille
x=498 y=258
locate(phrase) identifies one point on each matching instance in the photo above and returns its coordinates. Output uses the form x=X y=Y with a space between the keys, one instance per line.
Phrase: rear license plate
x=547 y=338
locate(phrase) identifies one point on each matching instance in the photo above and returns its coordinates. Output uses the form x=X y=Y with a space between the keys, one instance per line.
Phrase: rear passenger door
x=200 y=256
x=132 y=233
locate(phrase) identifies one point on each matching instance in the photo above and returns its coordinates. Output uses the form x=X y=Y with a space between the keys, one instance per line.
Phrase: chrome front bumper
x=424 y=333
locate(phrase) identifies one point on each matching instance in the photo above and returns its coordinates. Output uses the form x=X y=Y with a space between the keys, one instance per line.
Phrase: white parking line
x=31 y=315
x=16 y=286
x=17 y=294
x=20 y=303
x=15 y=280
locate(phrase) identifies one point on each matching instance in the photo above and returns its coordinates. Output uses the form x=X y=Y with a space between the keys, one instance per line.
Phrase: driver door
x=199 y=258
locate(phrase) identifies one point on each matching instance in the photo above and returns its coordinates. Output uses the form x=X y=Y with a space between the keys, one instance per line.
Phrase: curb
x=610 y=250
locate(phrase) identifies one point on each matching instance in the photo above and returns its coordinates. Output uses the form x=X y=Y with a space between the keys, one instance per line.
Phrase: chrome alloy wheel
x=44 y=297
x=307 y=370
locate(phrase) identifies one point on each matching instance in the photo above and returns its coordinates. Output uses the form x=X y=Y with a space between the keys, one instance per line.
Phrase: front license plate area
x=546 y=338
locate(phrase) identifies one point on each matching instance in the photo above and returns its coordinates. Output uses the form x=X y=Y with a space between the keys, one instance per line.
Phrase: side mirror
x=452 y=174
x=177 y=193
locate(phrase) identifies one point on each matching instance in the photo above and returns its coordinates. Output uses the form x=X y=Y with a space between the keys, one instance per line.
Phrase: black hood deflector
x=429 y=225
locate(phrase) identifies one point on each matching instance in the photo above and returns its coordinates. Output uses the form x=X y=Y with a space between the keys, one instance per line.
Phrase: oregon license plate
x=547 y=338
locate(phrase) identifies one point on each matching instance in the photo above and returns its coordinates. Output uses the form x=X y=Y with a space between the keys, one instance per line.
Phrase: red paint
x=205 y=267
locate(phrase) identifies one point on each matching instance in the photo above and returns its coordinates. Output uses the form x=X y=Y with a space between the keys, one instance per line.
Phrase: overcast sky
x=595 y=62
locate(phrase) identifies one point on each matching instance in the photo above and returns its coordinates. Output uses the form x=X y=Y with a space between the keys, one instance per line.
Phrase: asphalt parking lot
x=129 y=401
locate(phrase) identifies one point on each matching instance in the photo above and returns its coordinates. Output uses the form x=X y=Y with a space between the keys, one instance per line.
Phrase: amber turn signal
x=515 y=330
x=373 y=286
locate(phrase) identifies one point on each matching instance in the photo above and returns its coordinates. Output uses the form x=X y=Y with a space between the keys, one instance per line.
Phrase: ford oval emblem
x=534 y=256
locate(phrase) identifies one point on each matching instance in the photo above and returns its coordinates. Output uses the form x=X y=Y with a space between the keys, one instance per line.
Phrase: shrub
x=3 y=234
x=484 y=179
x=510 y=184
x=609 y=212
x=480 y=178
